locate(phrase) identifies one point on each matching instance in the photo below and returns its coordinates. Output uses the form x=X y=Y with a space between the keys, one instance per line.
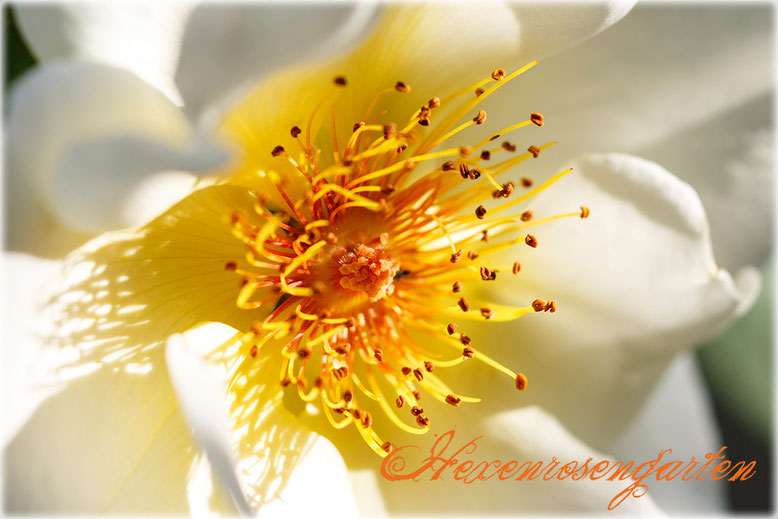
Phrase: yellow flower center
x=368 y=274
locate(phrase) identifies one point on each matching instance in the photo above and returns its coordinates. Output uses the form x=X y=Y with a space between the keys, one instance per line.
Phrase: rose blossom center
x=370 y=270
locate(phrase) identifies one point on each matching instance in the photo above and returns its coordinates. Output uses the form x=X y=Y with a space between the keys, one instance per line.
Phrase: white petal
x=739 y=366
x=201 y=387
x=729 y=159
x=548 y=28
x=678 y=415
x=23 y=280
x=201 y=390
x=635 y=283
x=226 y=46
x=143 y=37
x=85 y=443
x=628 y=88
x=81 y=138
x=696 y=99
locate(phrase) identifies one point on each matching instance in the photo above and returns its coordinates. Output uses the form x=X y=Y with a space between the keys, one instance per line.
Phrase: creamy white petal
x=697 y=100
x=678 y=415
x=729 y=159
x=81 y=138
x=301 y=488
x=202 y=391
x=141 y=36
x=635 y=283
x=22 y=284
x=227 y=46
x=84 y=444
x=739 y=365
x=547 y=28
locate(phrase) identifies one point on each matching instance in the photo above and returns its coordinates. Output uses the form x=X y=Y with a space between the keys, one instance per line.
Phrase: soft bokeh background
x=738 y=367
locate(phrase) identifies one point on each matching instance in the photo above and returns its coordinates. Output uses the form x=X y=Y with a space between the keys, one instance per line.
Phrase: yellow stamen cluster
x=366 y=270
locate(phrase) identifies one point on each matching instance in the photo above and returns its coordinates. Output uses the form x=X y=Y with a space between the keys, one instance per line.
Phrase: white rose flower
x=287 y=213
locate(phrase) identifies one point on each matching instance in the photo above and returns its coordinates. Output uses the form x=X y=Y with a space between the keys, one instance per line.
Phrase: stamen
x=355 y=267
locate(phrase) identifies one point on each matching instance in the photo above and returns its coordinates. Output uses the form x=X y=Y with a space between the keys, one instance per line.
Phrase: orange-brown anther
x=465 y=339
x=424 y=121
x=318 y=383
x=358 y=125
x=584 y=212
x=278 y=150
x=343 y=348
x=451 y=328
x=485 y=235
x=480 y=212
x=303 y=353
x=341 y=372
x=486 y=155
x=534 y=150
x=488 y=274
x=516 y=267
x=465 y=151
x=526 y=216
x=286 y=381
x=456 y=256
x=453 y=400
x=536 y=118
x=531 y=241
x=521 y=381
x=378 y=354
x=387 y=447
x=390 y=131
x=340 y=80
x=463 y=304
x=418 y=374
x=526 y=182
x=468 y=352
x=351 y=323
x=399 y=401
x=416 y=410
x=480 y=118
x=478 y=92
x=487 y=312
x=406 y=370
x=422 y=420
x=367 y=419
x=295 y=131
x=231 y=266
x=416 y=394
x=474 y=174
x=507 y=146
x=428 y=366
x=538 y=305
x=464 y=171
x=550 y=307
x=471 y=255
x=498 y=74
x=447 y=166
x=348 y=396
x=254 y=350
x=434 y=102
x=456 y=287
x=402 y=87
